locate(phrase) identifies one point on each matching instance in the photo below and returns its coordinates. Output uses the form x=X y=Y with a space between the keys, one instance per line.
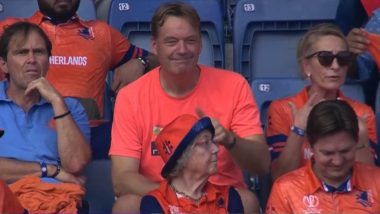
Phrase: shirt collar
x=303 y=96
x=38 y=18
x=315 y=183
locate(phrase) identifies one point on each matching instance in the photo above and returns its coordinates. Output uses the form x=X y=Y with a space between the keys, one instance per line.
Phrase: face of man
x=27 y=60
x=334 y=156
x=177 y=46
x=59 y=9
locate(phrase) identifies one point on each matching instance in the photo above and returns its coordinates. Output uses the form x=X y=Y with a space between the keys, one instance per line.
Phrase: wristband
x=231 y=145
x=44 y=171
x=56 y=171
x=297 y=131
x=61 y=115
x=145 y=63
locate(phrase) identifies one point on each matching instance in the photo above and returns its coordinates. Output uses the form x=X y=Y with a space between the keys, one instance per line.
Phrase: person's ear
x=3 y=65
x=153 y=45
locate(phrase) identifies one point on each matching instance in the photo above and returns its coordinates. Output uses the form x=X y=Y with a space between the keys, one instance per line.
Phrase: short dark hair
x=331 y=117
x=177 y=9
x=23 y=28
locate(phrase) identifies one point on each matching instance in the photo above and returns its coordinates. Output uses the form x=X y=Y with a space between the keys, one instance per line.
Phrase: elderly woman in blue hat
x=190 y=157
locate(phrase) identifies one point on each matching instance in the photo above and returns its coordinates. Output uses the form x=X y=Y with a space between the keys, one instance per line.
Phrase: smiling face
x=334 y=157
x=59 y=9
x=203 y=157
x=27 y=59
x=330 y=77
x=177 y=46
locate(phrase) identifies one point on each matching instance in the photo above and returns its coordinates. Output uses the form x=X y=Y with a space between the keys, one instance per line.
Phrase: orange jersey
x=280 y=119
x=300 y=191
x=370 y=6
x=374 y=47
x=143 y=108
x=83 y=52
x=215 y=200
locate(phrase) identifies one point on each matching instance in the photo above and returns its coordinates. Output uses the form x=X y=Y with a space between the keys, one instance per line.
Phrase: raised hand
x=222 y=135
x=300 y=115
x=357 y=41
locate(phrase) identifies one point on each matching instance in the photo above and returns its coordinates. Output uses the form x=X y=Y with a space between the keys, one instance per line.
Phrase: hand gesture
x=44 y=88
x=357 y=41
x=222 y=135
x=300 y=115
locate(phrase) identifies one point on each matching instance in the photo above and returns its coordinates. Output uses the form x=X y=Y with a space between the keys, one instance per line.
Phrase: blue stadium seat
x=26 y=8
x=133 y=19
x=99 y=192
x=265 y=34
x=266 y=90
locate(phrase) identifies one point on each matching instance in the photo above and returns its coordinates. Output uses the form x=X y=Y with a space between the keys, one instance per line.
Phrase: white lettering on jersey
x=68 y=60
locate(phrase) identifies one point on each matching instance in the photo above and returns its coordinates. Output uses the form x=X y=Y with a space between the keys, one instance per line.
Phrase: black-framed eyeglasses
x=326 y=58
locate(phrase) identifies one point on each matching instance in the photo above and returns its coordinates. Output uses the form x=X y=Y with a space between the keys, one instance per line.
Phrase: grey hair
x=182 y=161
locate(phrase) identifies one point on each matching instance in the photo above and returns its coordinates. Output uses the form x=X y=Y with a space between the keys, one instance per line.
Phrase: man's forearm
x=290 y=157
x=74 y=151
x=133 y=183
x=252 y=154
x=12 y=170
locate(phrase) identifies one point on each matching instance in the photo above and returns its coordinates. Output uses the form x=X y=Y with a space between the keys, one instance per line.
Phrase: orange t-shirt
x=83 y=52
x=280 y=120
x=143 y=108
x=300 y=191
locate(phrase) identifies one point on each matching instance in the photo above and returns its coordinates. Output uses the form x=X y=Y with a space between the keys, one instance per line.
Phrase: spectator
x=332 y=182
x=366 y=68
x=180 y=86
x=324 y=58
x=190 y=155
x=45 y=137
x=83 y=52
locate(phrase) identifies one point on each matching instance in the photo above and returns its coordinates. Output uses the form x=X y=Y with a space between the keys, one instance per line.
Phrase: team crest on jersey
x=153 y=145
x=311 y=202
x=220 y=203
x=86 y=32
x=364 y=198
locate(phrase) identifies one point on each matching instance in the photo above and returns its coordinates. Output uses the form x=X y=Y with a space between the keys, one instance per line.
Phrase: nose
x=335 y=64
x=214 y=148
x=31 y=57
x=182 y=48
x=337 y=160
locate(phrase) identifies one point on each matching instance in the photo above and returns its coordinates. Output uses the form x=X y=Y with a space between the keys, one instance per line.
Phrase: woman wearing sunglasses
x=323 y=58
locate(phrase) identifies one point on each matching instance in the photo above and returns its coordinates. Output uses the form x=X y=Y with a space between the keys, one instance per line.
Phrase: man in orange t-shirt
x=332 y=182
x=83 y=52
x=180 y=86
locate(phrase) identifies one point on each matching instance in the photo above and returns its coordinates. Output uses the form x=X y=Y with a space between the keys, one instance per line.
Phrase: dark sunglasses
x=326 y=58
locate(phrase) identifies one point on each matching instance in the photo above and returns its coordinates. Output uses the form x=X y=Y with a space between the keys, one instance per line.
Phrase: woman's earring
x=308 y=75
